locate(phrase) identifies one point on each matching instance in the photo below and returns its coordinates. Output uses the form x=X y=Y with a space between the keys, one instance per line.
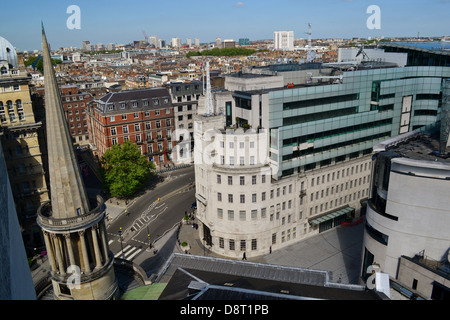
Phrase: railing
x=45 y=212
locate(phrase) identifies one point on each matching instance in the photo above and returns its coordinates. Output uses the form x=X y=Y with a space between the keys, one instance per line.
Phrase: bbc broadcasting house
x=284 y=152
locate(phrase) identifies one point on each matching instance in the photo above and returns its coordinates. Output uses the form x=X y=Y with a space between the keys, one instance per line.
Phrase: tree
x=40 y=65
x=124 y=169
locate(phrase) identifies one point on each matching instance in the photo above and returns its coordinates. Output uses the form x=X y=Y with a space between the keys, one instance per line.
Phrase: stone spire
x=68 y=195
x=81 y=264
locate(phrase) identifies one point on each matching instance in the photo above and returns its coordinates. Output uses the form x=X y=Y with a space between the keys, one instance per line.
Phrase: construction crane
x=33 y=65
x=145 y=35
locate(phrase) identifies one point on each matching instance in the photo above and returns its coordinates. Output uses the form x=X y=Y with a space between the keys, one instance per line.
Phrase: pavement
x=338 y=250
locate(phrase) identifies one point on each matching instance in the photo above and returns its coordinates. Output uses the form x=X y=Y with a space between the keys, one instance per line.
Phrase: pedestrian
x=244 y=257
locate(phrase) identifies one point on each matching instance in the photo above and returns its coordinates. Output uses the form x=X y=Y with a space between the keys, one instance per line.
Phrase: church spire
x=68 y=195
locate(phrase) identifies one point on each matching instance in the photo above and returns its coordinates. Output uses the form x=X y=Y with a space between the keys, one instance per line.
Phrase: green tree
x=40 y=64
x=125 y=170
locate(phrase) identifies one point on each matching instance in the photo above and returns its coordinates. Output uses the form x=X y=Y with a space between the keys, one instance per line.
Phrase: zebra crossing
x=129 y=252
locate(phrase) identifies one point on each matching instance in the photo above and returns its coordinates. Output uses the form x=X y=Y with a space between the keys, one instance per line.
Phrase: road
x=154 y=213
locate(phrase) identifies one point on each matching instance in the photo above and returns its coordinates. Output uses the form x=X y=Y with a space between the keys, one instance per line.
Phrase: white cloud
x=239 y=4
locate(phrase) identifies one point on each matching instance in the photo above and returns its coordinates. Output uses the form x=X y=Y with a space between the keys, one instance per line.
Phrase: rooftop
x=439 y=47
x=418 y=146
x=199 y=278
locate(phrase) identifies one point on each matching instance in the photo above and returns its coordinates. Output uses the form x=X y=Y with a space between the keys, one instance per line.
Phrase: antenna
x=311 y=54
x=209 y=106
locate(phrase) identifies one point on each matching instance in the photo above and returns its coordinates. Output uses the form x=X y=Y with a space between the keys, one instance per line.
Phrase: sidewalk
x=338 y=251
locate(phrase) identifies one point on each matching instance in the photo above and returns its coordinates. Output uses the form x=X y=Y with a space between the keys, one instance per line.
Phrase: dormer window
x=155 y=102
x=134 y=104
x=110 y=107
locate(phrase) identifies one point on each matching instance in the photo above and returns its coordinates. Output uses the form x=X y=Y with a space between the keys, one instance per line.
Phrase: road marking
x=135 y=253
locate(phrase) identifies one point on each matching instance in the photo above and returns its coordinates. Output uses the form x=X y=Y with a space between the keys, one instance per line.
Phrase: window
x=112 y=118
x=243 y=245
x=230 y=198
x=113 y=131
x=242 y=198
x=231 y=215
x=241 y=180
x=254 y=214
x=219 y=213
x=219 y=179
x=242 y=215
x=137 y=127
x=230 y=180
x=219 y=196
x=253 y=179
x=231 y=244
x=254 y=244
x=254 y=197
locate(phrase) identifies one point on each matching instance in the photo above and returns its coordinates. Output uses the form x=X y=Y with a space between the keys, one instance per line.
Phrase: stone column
x=87 y=268
x=70 y=249
x=98 y=257
x=50 y=254
x=59 y=257
x=104 y=240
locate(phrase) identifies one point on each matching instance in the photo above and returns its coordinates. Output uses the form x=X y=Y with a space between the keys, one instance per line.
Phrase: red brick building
x=75 y=107
x=144 y=116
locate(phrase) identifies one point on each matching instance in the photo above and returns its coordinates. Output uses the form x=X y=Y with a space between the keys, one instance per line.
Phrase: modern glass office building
x=321 y=125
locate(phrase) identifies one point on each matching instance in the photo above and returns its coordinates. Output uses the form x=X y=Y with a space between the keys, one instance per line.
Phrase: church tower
x=73 y=225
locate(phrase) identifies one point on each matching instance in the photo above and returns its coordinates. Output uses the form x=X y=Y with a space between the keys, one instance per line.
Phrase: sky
x=123 y=21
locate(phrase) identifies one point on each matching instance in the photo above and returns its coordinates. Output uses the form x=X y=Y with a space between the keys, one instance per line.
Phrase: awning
x=331 y=215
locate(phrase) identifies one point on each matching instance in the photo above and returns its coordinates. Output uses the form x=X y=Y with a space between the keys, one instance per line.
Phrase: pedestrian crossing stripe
x=129 y=252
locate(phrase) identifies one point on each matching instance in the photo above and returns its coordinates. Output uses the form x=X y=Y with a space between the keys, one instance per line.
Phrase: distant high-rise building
x=84 y=45
x=218 y=42
x=153 y=41
x=229 y=43
x=189 y=42
x=244 y=42
x=284 y=40
x=176 y=43
x=197 y=42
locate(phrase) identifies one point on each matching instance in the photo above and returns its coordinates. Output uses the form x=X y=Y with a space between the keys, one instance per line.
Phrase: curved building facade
x=408 y=212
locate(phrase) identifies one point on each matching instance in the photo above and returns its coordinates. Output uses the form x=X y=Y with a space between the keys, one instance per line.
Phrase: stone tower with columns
x=73 y=224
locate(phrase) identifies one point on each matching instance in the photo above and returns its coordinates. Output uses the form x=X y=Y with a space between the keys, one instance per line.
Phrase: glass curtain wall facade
x=316 y=126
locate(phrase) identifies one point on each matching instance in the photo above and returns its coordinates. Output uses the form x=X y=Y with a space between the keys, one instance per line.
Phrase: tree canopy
x=124 y=169
x=40 y=64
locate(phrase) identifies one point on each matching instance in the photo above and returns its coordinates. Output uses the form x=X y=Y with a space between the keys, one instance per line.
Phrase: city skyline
x=111 y=22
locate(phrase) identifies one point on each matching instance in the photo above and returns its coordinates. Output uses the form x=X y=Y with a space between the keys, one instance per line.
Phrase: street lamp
x=121 y=245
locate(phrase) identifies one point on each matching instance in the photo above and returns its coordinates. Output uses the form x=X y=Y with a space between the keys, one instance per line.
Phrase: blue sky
x=122 y=21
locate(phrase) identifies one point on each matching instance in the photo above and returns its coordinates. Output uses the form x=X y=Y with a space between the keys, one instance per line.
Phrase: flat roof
x=421 y=146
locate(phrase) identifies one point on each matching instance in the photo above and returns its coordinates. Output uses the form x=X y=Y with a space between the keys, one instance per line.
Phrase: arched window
x=19 y=104
x=2 y=108
x=3 y=70
x=9 y=105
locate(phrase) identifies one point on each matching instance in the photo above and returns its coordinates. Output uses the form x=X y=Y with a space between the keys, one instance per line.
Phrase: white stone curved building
x=408 y=213
x=311 y=171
